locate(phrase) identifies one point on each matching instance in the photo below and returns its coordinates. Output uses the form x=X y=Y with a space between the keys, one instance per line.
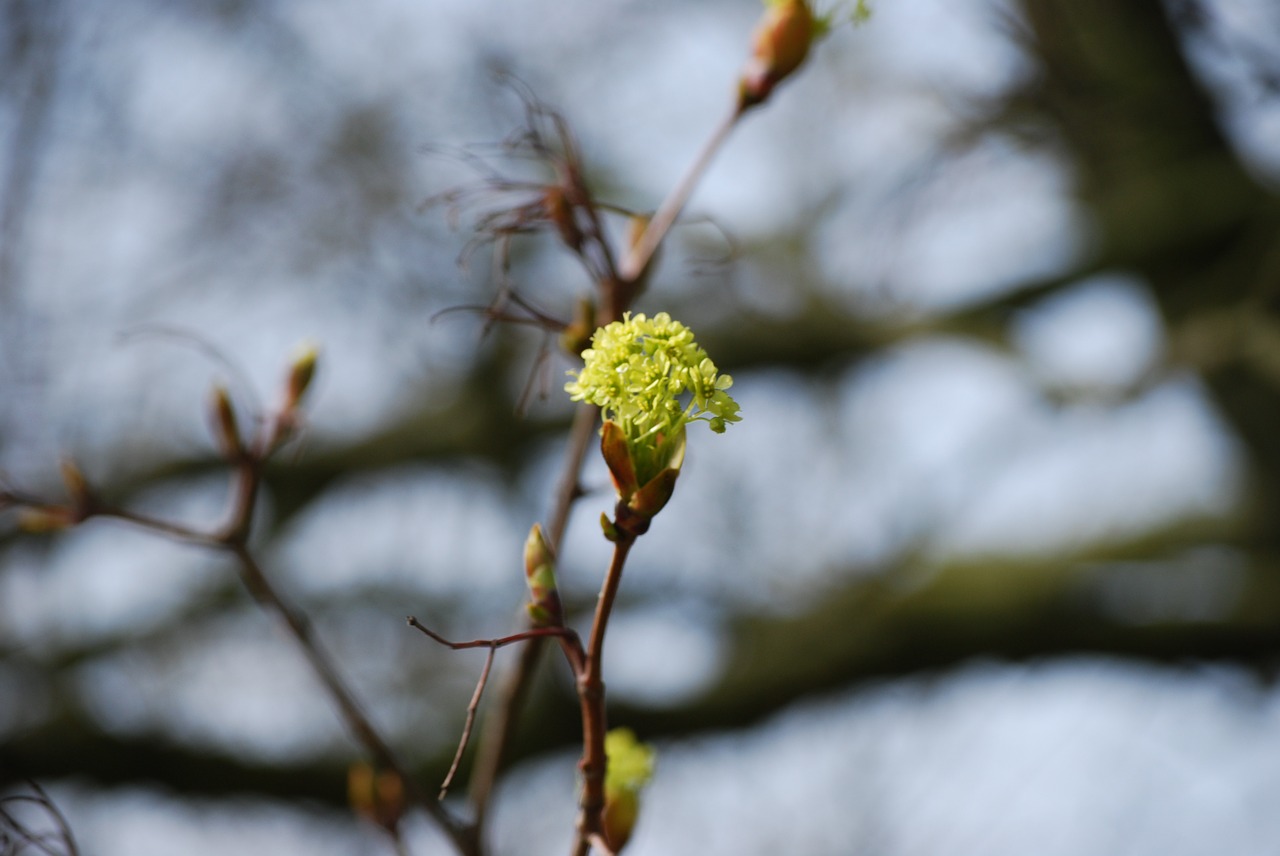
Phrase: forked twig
x=472 y=707
x=565 y=634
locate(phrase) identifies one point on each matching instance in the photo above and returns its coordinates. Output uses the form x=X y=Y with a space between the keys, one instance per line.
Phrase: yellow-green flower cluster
x=630 y=768
x=652 y=378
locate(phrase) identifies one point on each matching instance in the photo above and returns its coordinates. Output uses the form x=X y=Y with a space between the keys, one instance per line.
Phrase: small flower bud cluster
x=651 y=379
x=630 y=767
x=378 y=796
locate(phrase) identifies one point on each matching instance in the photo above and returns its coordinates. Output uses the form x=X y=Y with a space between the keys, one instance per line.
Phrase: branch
x=617 y=294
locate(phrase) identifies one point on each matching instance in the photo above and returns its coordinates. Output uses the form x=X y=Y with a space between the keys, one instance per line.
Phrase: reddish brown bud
x=560 y=213
x=780 y=45
x=360 y=795
x=376 y=796
x=651 y=498
x=50 y=518
x=77 y=487
x=388 y=795
x=617 y=455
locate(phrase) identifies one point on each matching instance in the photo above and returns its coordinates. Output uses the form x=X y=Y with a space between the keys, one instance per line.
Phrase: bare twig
x=472 y=707
x=500 y=642
x=573 y=650
x=633 y=264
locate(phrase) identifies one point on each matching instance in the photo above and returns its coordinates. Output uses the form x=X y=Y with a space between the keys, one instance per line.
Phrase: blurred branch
x=915 y=621
x=1171 y=198
x=20 y=834
x=247 y=456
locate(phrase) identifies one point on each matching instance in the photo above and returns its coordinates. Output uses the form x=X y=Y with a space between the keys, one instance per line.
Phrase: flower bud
x=629 y=769
x=780 y=45
x=617 y=455
x=388 y=795
x=226 y=427
x=360 y=794
x=301 y=373
x=45 y=519
x=540 y=572
x=376 y=796
x=77 y=487
x=560 y=212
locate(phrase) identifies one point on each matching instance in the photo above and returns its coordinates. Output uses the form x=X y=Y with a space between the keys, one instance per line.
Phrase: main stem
x=617 y=293
x=591 y=699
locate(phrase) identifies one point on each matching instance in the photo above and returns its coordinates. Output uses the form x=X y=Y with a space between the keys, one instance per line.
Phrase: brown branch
x=617 y=292
x=233 y=536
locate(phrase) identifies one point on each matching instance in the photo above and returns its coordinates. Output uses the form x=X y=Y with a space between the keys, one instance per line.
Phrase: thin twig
x=41 y=841
x=472 y=707
x=573 y=650
x=68 y=839
x=500 y=642
x=642 y=251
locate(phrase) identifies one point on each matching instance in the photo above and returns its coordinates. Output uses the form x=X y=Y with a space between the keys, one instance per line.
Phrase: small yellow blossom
x=651 y=377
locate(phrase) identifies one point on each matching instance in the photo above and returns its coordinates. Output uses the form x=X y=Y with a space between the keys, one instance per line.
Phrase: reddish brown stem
x=591 y=701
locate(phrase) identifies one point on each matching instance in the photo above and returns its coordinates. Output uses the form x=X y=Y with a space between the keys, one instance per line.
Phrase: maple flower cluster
x=651 y=378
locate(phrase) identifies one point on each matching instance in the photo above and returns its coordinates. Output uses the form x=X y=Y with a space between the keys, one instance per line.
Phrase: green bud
x=610 y=531
x=540 y=572
x=629 y=769
x=301 y=372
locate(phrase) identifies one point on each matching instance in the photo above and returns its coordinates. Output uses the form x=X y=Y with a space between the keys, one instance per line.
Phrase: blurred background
x=992 y=564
